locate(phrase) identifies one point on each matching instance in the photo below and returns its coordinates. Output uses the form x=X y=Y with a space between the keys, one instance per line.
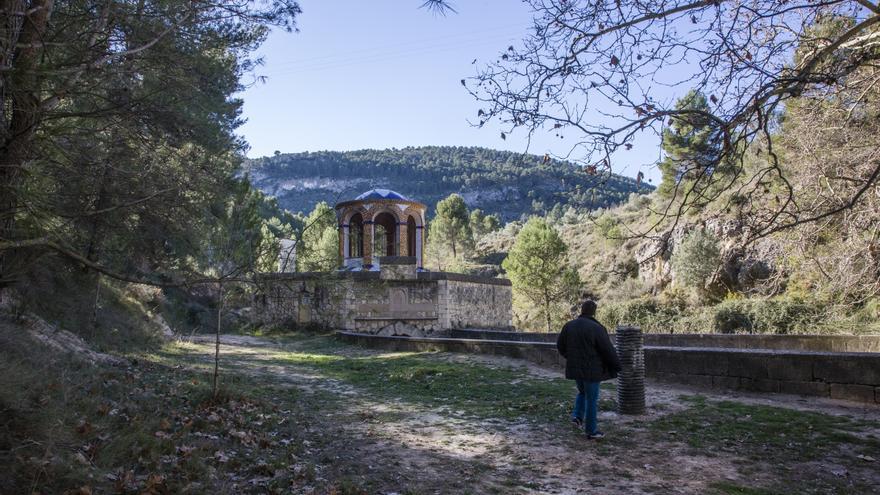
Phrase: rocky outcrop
x=400 y=328
x=64 y=341
x=743 y=268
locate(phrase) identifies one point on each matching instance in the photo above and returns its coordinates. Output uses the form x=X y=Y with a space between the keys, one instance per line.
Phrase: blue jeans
x=587 y=398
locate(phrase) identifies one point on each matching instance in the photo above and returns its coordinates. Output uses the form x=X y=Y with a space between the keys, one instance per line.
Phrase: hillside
x=509 y=184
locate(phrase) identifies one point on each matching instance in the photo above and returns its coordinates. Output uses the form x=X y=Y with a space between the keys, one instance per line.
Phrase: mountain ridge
x=506 y=183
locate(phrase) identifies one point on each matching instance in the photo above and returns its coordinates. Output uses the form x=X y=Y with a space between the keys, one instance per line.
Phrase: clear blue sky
x=386 y=74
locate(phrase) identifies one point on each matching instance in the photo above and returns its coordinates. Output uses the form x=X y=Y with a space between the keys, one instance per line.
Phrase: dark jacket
x=587 y=349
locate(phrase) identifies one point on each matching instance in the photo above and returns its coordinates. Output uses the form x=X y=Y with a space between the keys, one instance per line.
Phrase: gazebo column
x=403 y=239
x=368 y=244
x=344 y=243
x=420 y=253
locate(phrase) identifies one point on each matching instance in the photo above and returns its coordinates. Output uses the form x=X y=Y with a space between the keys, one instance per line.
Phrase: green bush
x=646 y=312
x=784 y=315
x=869 y=312
x=779 y=315
x=696 y=258
x=733 y=317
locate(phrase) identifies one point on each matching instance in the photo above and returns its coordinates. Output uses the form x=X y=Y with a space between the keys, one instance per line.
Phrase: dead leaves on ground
x=145 y=431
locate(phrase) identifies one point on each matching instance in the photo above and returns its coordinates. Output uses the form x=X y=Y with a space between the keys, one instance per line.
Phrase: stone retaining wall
x=477 y=304
x=849 y=376
x=388 y=302
x=820 y=343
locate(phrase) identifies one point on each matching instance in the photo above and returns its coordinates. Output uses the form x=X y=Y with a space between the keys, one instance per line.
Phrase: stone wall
x=394 y=307
x=477 y=305
x=848 y=376
x=385 y=303
x=303 y=299
x=819 y=343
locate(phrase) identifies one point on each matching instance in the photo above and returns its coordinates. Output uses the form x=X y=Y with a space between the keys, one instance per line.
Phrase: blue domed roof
x=381 y=194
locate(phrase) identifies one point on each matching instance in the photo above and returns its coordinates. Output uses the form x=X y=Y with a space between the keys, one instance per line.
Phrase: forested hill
x=503 y=182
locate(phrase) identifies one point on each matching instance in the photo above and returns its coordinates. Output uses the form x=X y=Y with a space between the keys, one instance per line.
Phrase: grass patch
x=429 y=380
x=761 y=432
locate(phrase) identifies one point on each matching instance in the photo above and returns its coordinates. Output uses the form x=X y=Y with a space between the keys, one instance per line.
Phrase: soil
x=400 y=447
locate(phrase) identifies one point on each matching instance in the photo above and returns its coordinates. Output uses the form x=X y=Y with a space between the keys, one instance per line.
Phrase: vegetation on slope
x=498 y=182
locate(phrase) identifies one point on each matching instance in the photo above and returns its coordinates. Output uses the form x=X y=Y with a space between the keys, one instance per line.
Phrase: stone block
x=726 y=382
x=790 y=367
x=765 y=385
x=860 y=393
x=804 y=388
x=690 y=362
x=661 y=377
x=861 y=369
x=746 y=365
x=694 y=380
x=660 y=360
x=760 y=385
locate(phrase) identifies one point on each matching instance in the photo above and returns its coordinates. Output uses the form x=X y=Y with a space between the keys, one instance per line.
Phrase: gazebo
x=379 y=223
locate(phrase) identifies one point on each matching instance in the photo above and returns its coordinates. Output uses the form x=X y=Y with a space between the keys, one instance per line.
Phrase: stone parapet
x=461 y=277
x=397 y=260
x=848 y=376
x=818 y=343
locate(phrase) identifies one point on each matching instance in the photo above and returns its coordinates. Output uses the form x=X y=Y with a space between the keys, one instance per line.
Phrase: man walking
x=589 y=360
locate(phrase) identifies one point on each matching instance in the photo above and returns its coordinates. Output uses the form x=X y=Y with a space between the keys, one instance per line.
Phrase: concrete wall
x=385 y=302
x=820 y=343
x=849 y=376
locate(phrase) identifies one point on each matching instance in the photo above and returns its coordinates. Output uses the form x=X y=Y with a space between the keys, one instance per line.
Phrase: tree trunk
x=547 y=312
x=217 y=339
x=94 y=322
x=21 y=87
x=95 y=228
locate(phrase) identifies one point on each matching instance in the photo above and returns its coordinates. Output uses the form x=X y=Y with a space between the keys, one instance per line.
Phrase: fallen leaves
x=84 y=427
x=81 y=459
x=155 y=485
x=83 y=490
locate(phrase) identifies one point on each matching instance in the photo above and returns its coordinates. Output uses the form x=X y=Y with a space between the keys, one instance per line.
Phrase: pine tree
x=318 y=249
x=692 y=146
x=451 y=226
x=482 y=224
x=537 y=267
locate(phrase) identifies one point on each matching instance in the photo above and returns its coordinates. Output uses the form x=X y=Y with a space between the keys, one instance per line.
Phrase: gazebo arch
x=389 y=245
x=401 y=219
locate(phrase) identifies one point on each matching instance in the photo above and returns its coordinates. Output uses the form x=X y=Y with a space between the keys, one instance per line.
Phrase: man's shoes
x=595 y=436
x=577 y=422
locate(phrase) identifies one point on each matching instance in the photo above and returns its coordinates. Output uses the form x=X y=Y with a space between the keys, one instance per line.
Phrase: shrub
x=733 y=317
x=780 y=315
x=696 y=258
x=646 y=312
x=870 y=311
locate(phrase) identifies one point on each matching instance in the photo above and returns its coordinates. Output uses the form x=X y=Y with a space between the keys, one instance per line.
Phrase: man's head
x=588 y=308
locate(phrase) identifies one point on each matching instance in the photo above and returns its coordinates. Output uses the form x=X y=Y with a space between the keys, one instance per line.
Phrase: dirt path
x=399 y=446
